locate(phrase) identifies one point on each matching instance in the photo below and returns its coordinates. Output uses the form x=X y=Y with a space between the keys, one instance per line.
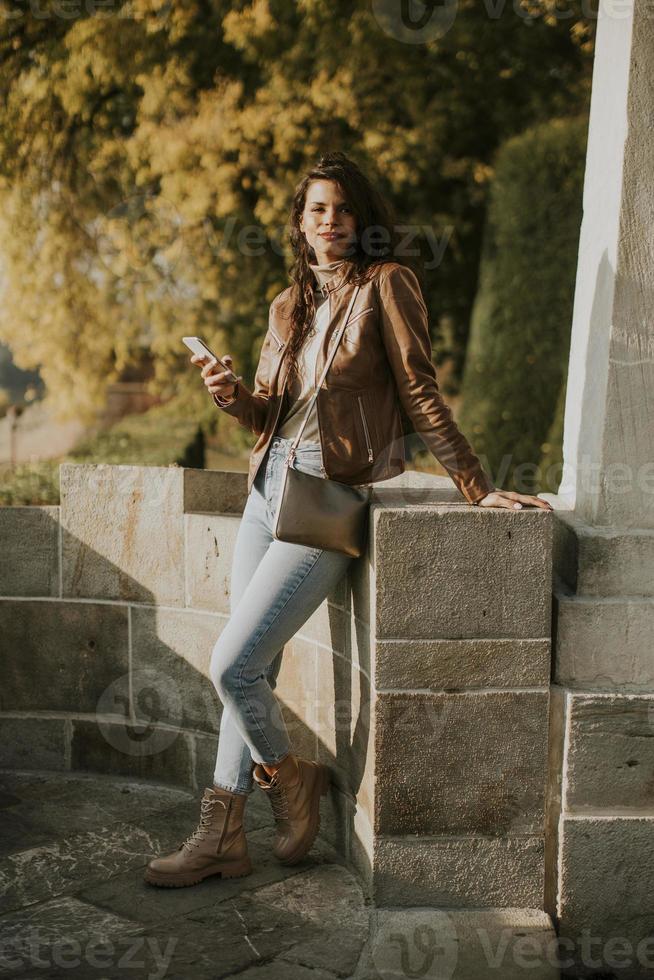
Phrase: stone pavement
x=73 y=903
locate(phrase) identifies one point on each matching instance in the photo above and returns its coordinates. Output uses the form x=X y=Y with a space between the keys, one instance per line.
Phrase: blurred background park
x=148 y=156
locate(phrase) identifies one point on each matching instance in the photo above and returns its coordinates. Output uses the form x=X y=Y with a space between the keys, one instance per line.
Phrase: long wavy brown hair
x=370 y=210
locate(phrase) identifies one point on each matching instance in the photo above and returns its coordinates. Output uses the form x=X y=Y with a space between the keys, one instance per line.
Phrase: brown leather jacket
x=383 y=360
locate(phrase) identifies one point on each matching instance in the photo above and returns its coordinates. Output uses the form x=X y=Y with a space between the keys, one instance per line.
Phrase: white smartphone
x=198 y=346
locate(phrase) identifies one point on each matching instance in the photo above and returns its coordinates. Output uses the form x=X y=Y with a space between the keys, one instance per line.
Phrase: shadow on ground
x=73 y=847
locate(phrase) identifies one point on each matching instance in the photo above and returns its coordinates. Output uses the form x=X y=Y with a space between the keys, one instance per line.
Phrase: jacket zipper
x=356 y=316
x=365 y=427
x=280 y=343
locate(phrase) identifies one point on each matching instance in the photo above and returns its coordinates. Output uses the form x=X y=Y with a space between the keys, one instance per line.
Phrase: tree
x=148 y=153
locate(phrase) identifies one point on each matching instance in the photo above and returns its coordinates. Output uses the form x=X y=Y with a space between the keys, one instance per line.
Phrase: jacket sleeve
x=251 y=407
x=405 y=333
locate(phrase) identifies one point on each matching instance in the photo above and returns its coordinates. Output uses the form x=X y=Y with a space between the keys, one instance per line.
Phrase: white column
x=608 y=445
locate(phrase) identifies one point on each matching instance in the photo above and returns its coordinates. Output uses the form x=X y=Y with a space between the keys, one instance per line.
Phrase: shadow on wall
x=111 y=605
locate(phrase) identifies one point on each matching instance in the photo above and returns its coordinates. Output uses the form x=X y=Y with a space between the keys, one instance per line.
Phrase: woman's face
x=327 y=221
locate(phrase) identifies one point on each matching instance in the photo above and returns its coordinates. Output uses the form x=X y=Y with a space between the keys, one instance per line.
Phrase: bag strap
x=335 y=341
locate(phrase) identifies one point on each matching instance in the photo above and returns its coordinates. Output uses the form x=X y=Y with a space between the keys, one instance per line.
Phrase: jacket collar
x=323 y=272
x=284 y=304
x=338 y=279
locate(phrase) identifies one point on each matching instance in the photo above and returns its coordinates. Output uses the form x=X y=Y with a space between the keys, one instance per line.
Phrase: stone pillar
x=608 y=445
x=601 y=872
x=446 y=680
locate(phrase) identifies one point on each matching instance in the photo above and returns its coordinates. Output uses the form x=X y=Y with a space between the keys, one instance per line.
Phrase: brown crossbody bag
x=314 y=510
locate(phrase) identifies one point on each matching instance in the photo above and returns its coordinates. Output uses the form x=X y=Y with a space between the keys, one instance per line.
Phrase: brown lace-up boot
x=294 y=791
x=217 y=846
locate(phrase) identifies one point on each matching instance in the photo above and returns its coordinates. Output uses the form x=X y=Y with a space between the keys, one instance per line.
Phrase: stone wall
x=110 y=606
x=422 y=681
x=462 y=663
x=601 y=871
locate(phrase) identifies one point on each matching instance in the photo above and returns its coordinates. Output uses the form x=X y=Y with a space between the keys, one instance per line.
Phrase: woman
x=381 y=369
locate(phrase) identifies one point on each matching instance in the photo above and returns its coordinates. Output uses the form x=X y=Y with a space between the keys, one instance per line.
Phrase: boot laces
x=279 y=801
x=204 y=827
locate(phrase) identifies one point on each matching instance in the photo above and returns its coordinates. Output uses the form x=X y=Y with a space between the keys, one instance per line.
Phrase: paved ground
x=73 y=902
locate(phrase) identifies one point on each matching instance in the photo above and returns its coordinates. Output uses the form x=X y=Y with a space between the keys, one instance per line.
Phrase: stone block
x=341 y=593
x=214 y=491
x=470 y=573
x=606 y=887
x=61 y=656
x=461 y=665
x=329 y=897
x=459 y=872
x=566 y=527
x=205 y=748
x=360 y=582
x=296 y=679
x=336 y=816
x=296 y=691
x=616 y=562
x=33 y=743
x=359 y=646
x=486 y=944
x=610 y=759
x=603 y=561
x=343 y=727
x=416 y=487
x=241 y=937
x=66 y=864
x=301 y=735
x=123 y=534
x=65 y=936
x=126 y=749
x=29 y=558
x=171 y=652
x=46 y=800
x=210 y=541
x=329 y=627
x=461 y=763
x=554 y=793
x=604 y=644
x=361 y=851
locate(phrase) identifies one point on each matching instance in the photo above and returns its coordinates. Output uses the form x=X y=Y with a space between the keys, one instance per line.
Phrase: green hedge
x=517 y=356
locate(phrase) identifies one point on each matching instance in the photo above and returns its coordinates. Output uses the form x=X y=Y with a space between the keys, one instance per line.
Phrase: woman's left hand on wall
x=512 y=500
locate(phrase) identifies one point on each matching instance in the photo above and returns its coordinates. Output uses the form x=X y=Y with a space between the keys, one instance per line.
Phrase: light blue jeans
x=275 y=587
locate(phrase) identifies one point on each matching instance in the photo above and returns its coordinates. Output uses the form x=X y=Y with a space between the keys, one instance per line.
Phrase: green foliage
x=143 y=148
x=173 y=434
x=159 y=437
x=30 y=483
x=520 y=333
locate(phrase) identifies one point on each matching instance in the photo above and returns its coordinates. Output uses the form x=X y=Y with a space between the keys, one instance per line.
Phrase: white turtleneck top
x=301 y=389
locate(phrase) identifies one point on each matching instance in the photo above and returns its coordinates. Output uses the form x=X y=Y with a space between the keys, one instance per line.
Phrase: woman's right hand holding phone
x=220 y=383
